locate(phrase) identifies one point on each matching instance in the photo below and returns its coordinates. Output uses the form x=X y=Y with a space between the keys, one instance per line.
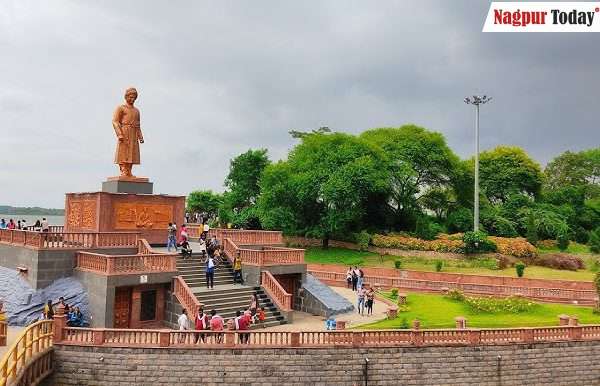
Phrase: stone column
x=563 y=320
x=60 y=322
x=461 y=323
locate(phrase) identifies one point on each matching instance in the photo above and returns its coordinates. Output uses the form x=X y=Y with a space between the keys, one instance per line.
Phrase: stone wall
x=571 y=363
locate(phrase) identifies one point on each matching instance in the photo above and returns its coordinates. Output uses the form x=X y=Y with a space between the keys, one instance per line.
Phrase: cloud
x=217 y=78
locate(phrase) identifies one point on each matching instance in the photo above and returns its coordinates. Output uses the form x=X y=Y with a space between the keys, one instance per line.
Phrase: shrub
x=512 y=304
x=400 y=241
x=439 y=264
x=547 y=244
x=595 y=240
x=456 y=294
x=426 y=229
x=517 y=247
x=404 y=324
x=398 y=264
x=520 y=267
x=460 y=220
x=478 y=242
x=561 y=261
x=532 y=236
x=562 y=240
x=597 y=285
x=581 y=235
x=595 y=266
x=394 y=293
x=363 y=239
x=503 y=261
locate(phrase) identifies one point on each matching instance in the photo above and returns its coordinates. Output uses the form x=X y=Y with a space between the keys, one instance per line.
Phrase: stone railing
x=541 y=293
x=322 y=339
x=68 y=240
x=276 y=292
x=29 y=360
x=194 y=230
x=185 y=296
x=3 y=331
x=126 y=264
x=248 y=237
x=51 y=228
x=265 y=255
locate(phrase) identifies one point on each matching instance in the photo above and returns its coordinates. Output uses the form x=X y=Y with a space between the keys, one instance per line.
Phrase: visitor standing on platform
x=349 y=278
x=11 y=224
x=361 y=279
x=201 y=323
x=171 y=238
x=210 y=273
x=370 y=299
x=205 y=229
x=355 y=273
x=217 y=324
x=184 y=324
x=361 y=293
x=2 y=224
x=45 y=225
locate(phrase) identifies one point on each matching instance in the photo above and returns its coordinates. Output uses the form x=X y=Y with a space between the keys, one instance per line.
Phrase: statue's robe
x=128 y=150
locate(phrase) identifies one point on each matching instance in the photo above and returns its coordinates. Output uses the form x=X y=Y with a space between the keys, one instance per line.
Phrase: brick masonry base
x=572 y=363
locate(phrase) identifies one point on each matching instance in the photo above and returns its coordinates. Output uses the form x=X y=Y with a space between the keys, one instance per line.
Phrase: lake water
x=31 y=219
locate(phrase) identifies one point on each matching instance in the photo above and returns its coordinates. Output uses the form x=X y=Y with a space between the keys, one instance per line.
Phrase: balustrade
x=29 y=358
x=276 y=292
x=126 y=264
x=68 y=240
x=185 y=296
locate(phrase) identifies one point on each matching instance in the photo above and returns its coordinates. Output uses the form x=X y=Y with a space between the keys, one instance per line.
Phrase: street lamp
x=477 y=100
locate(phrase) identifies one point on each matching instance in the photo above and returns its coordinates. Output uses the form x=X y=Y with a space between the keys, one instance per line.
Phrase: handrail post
x=164 y=338
x=295 y=339
x=59 y=323
x=98 y=336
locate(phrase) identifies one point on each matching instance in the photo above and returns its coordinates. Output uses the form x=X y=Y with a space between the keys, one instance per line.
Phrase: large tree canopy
x=204 y=201
x=507 y=170
x=418 y=161
x=323 y=188
x=581 y=169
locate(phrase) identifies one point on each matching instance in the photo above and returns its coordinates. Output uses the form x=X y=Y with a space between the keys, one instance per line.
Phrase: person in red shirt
x=242 y=324
x=261 y=317
x=201 y=323
x=216 y=324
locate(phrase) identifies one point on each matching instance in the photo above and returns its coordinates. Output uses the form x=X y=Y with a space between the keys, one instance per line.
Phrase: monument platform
x=123 y=184
x=125 y=204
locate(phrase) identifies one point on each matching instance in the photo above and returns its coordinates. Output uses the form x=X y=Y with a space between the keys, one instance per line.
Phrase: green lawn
x=574 y=248
x=437 y=311
x=477 y=266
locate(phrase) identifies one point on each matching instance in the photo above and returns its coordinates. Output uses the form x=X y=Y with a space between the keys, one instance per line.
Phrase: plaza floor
x=307 y=322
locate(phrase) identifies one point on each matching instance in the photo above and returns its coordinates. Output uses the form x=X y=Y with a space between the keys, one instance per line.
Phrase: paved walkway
x=13 y=333
x=307 y=322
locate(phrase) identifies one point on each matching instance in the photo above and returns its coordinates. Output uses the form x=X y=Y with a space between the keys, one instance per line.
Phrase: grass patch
x=437 y=311
x=474 y=266
x=574 y=248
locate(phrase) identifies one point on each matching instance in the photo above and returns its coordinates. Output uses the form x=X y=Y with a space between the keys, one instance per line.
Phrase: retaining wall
x=568 y=363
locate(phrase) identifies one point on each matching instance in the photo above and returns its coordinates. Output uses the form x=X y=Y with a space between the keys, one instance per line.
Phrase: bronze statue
x=126 y=122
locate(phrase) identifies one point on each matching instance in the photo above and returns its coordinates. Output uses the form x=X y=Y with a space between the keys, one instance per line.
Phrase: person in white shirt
x=45 y=225
x=184 y=324
x=210 y=272
x=206 y=228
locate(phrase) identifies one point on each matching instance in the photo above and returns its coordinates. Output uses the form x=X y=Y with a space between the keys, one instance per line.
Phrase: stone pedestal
x=134 y=185
x=124 y=205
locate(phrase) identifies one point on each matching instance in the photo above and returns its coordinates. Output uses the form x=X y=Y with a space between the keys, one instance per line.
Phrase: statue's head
x=131 y=95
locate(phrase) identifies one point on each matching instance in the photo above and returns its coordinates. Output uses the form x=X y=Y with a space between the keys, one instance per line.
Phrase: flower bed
x=517 y=247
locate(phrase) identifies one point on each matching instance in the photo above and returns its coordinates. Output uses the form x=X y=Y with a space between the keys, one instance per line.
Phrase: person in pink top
x=216 y=324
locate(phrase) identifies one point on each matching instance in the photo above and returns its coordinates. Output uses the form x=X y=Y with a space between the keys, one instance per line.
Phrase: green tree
x=581 y=169
x=243 y=182
x=508 y=170
x=595 y=240
x=204 y=201
x=323 y=188
x=418 y=160
x=532 y=235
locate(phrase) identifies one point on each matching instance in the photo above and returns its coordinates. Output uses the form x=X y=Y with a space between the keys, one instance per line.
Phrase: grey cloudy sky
x=218 y=77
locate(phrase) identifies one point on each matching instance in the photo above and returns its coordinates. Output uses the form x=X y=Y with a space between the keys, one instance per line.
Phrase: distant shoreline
x=32 y=211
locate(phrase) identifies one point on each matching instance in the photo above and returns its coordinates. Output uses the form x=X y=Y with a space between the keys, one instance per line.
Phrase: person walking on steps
x=210 y=272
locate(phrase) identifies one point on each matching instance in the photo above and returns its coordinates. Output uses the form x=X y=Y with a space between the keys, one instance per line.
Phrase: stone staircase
x=226 y=297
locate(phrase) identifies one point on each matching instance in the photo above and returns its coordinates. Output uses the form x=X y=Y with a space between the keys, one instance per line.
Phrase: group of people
x=355 y=278
x=214 y=322
x=74 y=315
x=22 y=225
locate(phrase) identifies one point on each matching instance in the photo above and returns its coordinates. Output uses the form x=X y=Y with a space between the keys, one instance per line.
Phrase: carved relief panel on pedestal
x=81 y=214
x=142 y=216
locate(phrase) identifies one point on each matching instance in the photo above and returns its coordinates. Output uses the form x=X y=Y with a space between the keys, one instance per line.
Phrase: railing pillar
x=229 y=339
x=528 y=336
x=575 y=333
x=295 y=339
x=59 y=323
x=164 y=338
x=474 y=337
x=416 y=338
x=98 y=337
x=357 y=338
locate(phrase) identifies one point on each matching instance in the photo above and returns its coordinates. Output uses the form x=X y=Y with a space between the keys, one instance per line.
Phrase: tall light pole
x=477 y=100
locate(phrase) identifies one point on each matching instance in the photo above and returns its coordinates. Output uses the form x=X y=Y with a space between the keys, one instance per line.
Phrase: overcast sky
x=216 y=78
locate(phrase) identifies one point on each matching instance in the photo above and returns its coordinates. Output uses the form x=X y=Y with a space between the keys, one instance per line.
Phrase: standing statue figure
x=126 y=122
